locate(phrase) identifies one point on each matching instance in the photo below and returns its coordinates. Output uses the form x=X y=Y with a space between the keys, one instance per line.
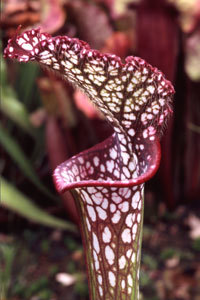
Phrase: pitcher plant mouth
x=108 y=179
x=65 y=179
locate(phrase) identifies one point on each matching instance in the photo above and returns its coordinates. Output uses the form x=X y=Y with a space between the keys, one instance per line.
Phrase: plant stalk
x=111 y=221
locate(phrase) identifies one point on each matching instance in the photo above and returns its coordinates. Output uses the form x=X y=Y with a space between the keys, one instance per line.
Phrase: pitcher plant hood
x=134 y=97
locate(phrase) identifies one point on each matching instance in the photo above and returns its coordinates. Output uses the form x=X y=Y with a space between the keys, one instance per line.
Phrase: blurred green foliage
x=16 y=201
x=196 y=244
x=14 y=128
x=7 y=255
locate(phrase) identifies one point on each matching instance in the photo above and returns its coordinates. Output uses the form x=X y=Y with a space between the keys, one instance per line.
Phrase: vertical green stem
x=111 y=226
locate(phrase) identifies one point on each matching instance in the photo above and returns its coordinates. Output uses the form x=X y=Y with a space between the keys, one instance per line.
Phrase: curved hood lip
x=153 y=166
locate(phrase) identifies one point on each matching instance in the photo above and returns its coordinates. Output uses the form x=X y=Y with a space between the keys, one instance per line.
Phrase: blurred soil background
x=44 y=121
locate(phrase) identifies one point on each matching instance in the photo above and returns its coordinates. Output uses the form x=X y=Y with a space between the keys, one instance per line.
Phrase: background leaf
x=13 y=199
x=16 y=111
x=12 y=107
x=17 y=154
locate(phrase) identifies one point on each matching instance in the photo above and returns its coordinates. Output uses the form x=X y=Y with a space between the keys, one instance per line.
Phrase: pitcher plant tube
x=108 y=180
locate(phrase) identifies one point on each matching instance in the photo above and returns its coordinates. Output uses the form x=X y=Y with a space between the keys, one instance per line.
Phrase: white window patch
x=100 y=279
x=45 y=53
x=120 y=95
x=151 y=89
x=96 y=262
x=129 y=220
x=35 y=40
x=46 y=61
x=116 y=198
x=81 y=160
x=96 y=161
x=116 y=173
x=95 y=255
x=110 y=165
x=130 y=87
x=135 y=80
x=139 y=204
x=132 y=117
x=116 y=217
x=113 y=207
x=128 y=253
x=126 y=235
x=43 y=37
x=88 y=224
x=86 y=197
x=125 y=192
x=88 y=164
x=91 y=77
x=113 y=154
x=51 y=47
x=106 y=235
x=131 y=132
x=162 y=101
x=102 y=168
x=133 y=257
x=137 y=74
x=105 y=204
x=100 y=78
x=138 y=217
x=125 y=157
x=123 y=284
x=96 y=265
x=149 y=116
x=134 y=229
x=144 y=117
x=56 y=66
x=80 y=77
x=91 y=190
x=95 y=243
x=67 y=65
x=27 y=47
x=110 y=256
x=100 y=291
x=124 y=206
x=91 y=213
x=138 y=274
x=97 y=198
x=101 y=213
x=112 y=278
x=130 y=280
x=136 y=197
x=126 y=172
x=20 y=41
x=131 y=166
x=122 y=262
x=76 y=71
x=64 y=175
x=74 y=60
x=152 y=138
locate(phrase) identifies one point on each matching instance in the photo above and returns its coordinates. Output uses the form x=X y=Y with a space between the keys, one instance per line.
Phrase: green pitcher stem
x=111 y=221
